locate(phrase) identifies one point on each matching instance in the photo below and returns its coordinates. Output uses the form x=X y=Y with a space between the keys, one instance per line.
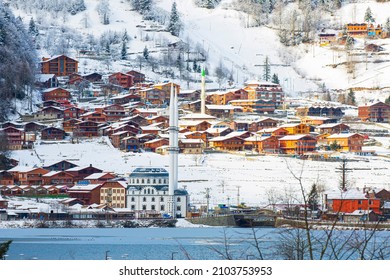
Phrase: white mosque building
x=148 y=191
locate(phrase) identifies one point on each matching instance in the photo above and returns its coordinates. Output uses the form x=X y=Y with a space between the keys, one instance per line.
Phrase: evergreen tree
x=267 y=70
x=313 y=198
x=334 y=146
x=195 y=66
x=146 y=53
x=368 y=17
x=125 y=37
x=174 y=24
x=351 y=99
x=275 y=79
x=124 y=50
x=32 y=28
x=349 y=43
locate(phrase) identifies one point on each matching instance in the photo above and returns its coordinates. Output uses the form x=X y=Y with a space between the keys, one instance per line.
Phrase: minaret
x=173 y=151
x=203 y=93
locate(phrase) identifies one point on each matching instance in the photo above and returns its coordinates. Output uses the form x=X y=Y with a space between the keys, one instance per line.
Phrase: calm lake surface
x=132 y=243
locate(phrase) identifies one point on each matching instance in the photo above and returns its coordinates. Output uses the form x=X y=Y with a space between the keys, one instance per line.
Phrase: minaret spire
x=173 y=150
x=203 y=93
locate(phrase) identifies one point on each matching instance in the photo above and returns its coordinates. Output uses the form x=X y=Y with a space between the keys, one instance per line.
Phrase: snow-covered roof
x=222 y=107
x=350 y=194
x=342 y=135
x=197 y=116
x=87 y=187
x=329 y=125
x=294 y=137
x=96 y=176
x=191 y=141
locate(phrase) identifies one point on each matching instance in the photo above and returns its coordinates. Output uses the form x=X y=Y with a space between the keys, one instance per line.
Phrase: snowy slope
x=254 y=175
x=242 y=50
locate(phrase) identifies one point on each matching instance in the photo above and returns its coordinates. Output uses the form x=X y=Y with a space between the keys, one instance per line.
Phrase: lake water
x=205 y=243
x=130 y=243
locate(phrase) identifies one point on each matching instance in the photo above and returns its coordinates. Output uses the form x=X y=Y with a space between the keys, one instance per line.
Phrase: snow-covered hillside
x=223 y=34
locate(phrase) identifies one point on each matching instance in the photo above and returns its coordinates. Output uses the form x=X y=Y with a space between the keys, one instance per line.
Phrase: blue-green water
x=129 y=243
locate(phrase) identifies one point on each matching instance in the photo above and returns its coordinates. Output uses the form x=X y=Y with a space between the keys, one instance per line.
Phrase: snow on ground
x=231 y=177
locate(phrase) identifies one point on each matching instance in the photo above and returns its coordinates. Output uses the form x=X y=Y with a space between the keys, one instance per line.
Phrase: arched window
x=148 y=191
x=144 y=199
x=154 y=181
x=178 y=199
x=148 y=181
x=153 y=199
x=143 y=181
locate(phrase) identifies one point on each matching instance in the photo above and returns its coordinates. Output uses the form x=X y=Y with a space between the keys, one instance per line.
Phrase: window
x=162 y=199
x=162 y=208
x=132 y=199
x=148 y=181
x=178 y=208
x=143 y=207
x=153 y=199
x=153 y=207
x=132 y=207
x=179 y=199
x=144 y=199
x=359 y=202
x=143 y=181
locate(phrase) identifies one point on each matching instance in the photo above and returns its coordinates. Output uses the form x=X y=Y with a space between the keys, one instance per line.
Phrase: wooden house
x=52 y=133
x=6 y=178
x=121 y=79
x=46 y=81
x=296 y=128
x=95 y=116
x=138 y=77
x=253 y=125
x=266 y=91
x=116 y=138
x=230 y=143
x=258 y=106
x=33 y=127
x=113 y=112
x=60 y=165
x=332 y=128
x=377 y=112
x=223 y=111
x=326 y=39
x=276 y=131
x=223 y=98
x=152 y=145
x=14 y=137
x=58 y=178
x=73 y=112
x=70 y=125
x=262 y=144
x=99 y=178
x=348 y=142
x=315 y=121
x=80 y=172
x=126 y=98
x=191 y=146
x=297 y=144
x=61 y=65
x=189 y=95
x=92 y=77
x=86 y=129
x=88 y=193
x=30 y=176
x=320 y=111
x=49 y=113
x=199 y=125
x=154 y=96
x=130 y=144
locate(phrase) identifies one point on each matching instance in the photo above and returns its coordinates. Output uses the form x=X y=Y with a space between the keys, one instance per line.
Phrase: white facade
x=148 y=190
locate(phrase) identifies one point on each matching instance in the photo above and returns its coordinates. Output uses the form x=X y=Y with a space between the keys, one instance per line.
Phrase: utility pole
x=207 y=200
x=238 y=195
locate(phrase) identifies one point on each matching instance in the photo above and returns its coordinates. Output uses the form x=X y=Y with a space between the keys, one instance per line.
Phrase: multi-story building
x=377 y=112
x=59 y=65
x=148 y=192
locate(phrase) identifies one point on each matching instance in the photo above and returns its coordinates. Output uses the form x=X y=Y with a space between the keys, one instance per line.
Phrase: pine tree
x=32 y=28
x=387 y=27
x=124 y=50
x=349 y=43
x=125 y=37
x=368 y=17
x=275 y=79
x=146 y=53
x=313 y=198
x=267 y=70
x=4 y=248
x=351 y=99
x=174 y=24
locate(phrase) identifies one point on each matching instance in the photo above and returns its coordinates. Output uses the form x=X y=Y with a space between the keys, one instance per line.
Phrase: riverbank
x=149 y=223
x=320 y=224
